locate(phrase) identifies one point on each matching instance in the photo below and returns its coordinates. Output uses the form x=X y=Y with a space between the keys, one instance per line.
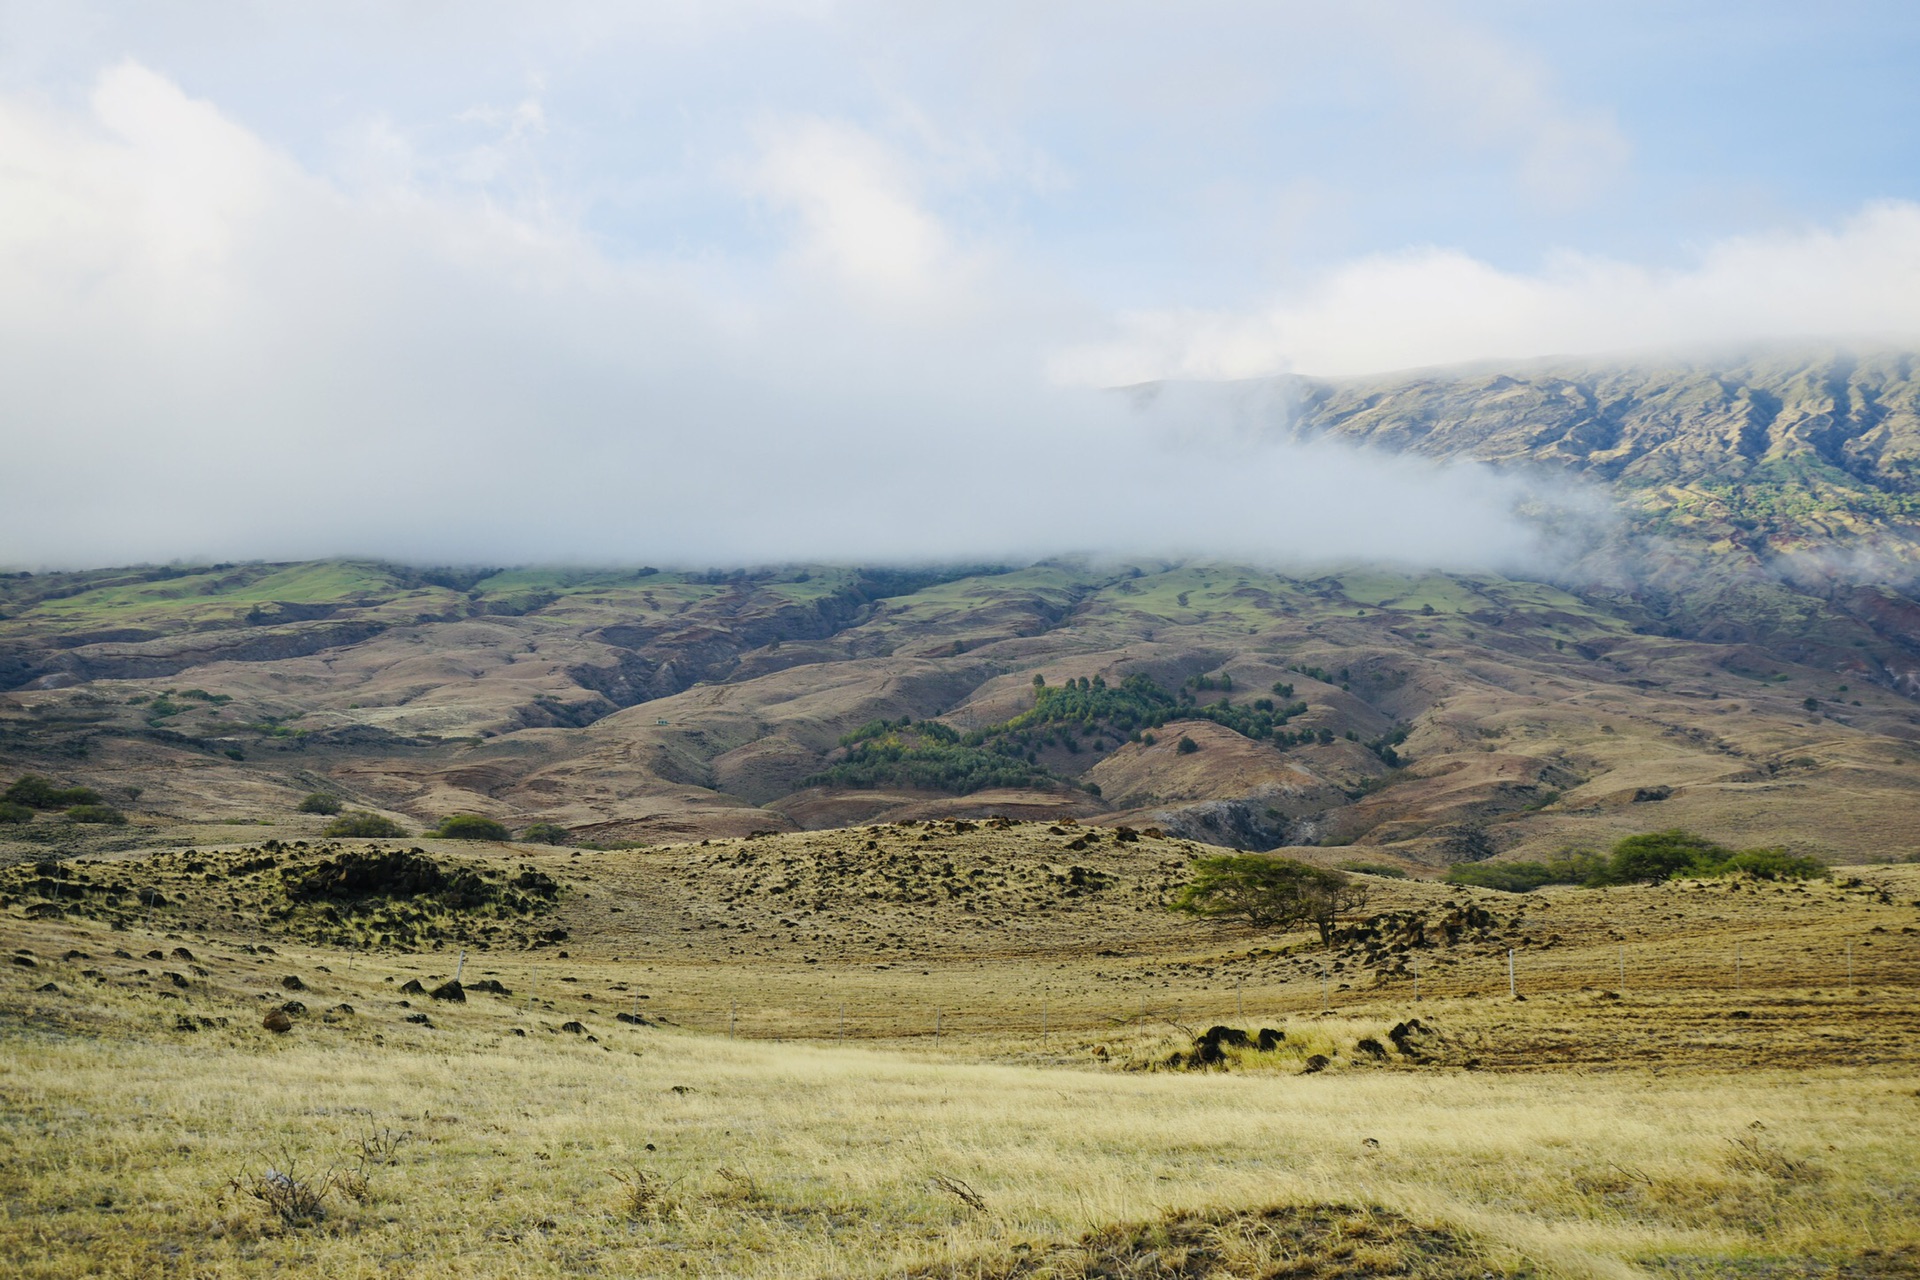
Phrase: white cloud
x=860 y=222
x=1438 y=306
x=209 y=351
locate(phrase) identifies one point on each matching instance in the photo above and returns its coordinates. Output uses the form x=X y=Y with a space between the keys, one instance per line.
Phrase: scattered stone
x=412 y=987
x=181 y=953
x=292 y=983
x=574 y=1028
x=450 y=990
x=294 y=1009
x=1318 y=1062
x=76 y=955
x=632 y=1019
x=177 y=979
x=520 y=1031
x=277 y=1022
x=420 y=1019
x=492 y=985
x=1372 y=1048
x=155 y=954
x=45 y=911
x=1270 y=1039
x=26 y=962
x=184 y=1023
x=49 y=988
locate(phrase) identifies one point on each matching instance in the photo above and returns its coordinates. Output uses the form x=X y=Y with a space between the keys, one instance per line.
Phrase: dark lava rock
x=492 y=985
x=184 y=1023
x=420 y=1019
x=1372 y=1048
x=1270 y=1039
x=632 y=1019
x=49 y=988
x=575 y=1028
x=293 y=983
x=412 y=987
x=294 y=1009
x=277 y=1022
x=181 y=953
x=450 y=990
x=1318 y=1062
x=177 y=979
x=25 y=962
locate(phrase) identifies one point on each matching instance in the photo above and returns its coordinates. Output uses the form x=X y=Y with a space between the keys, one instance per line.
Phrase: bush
x=103 y=814
x=364 y=826
x=1659 y=856
x=11 y=812
x=37 y=792
x=545 y=833
x=1186 y=746
x=469 y=826
x=1374 y=869
x=1524 y=877
x=320 y=802
x=1772 y=863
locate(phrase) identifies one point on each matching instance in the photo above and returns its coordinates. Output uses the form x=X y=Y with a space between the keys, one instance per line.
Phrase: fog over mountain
x=846 y=330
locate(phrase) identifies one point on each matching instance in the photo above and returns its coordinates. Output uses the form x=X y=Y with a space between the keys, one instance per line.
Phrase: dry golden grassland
x=1687 y=1122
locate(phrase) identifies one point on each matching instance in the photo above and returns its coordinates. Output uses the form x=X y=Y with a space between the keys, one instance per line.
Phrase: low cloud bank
x=210 y=352
x=1435 y=306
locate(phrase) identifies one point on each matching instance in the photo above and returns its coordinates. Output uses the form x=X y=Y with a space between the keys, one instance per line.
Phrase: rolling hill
x=1737 y=654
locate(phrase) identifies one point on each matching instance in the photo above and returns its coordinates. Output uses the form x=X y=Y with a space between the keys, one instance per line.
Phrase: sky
x=744 y=282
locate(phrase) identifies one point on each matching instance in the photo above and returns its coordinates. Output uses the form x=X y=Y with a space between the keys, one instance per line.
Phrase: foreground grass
x=664 y=1152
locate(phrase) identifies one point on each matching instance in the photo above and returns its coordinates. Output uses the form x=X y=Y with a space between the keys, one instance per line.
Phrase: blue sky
x=439 y=227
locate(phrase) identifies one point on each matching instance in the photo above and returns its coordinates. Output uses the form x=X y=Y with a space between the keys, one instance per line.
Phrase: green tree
x=546 y=833
x=361 y=825
x=320 y=802
x=11 y=812
x=1659 y=856
x=105 y=815
x=469 y=826
x=1270 y=892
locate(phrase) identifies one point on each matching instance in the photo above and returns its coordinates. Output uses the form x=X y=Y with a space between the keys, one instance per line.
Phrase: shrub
x=545 y=833
x=362 y=825
x=1772 y=863
x=1374 y=869
x=1659 y=856
x=1662 y=855
x=102 y=814
x=1186 y=746
x=469 y=826
x=1524 y=877
x=320 y=802
x=11 y=812
x=37 y=792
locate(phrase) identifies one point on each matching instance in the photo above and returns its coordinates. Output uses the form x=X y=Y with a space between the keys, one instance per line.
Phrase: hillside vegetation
x=1739 y=652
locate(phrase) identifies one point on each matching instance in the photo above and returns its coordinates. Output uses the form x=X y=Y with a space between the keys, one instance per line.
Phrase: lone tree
x=1659 y=856
x=1270 y=892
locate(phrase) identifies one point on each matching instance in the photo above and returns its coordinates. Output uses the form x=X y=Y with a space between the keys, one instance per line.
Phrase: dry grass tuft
x=1297 y=1242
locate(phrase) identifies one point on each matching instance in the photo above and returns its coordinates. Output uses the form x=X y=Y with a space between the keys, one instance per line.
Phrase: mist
x=216 y=350
x=213 y=353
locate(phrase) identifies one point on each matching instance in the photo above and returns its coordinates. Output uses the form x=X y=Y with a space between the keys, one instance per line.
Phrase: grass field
x=1001 y=1103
